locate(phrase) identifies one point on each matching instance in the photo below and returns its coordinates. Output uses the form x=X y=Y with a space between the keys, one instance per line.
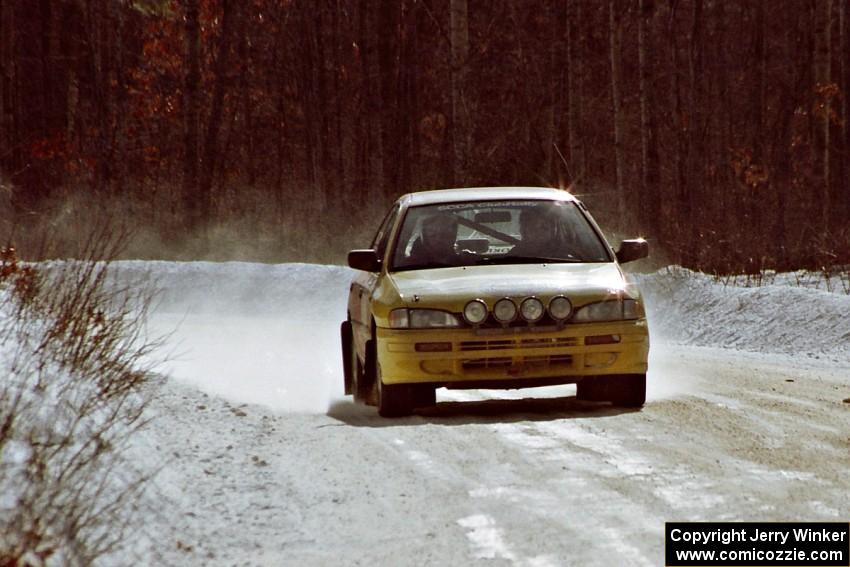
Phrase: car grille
x=529 y=363
x=518 y=323
x=517 y=343
x=483 y=363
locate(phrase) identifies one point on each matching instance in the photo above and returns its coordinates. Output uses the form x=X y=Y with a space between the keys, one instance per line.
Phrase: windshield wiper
x=428 y=266
x=508 y=259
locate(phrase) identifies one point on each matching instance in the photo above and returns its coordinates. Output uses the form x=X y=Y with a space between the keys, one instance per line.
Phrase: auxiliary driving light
x=475 y=312
x=505 y=310
x=531 y=309
x=560 y=308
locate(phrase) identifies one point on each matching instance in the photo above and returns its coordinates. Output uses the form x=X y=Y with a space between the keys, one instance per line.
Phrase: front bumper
x=511 y=357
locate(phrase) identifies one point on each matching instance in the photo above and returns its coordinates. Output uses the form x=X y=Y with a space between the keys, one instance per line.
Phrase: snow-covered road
x=265 y=463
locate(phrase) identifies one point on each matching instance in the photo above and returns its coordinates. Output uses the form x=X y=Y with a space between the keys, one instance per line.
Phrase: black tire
x=592 y=389
x=363 y=383
x=348 y=369
x=424 y=396
x=396 y=400
x=627 y=390
x=624 y=390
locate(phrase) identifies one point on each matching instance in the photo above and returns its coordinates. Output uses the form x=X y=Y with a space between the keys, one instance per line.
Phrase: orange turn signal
x=602 y=340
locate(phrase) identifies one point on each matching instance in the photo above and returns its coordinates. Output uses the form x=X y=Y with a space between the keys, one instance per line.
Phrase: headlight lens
x=475 y=312
x=531 y=309
x=422 y=319
x=505 y=310
x=560 y=308
x=611 y=310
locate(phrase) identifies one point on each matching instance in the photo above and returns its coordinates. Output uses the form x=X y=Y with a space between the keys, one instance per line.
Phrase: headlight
x=531 y=309
x=611 y=310
x=560 y=308
x=504 y=311
x=422 y=319
x=475 y=312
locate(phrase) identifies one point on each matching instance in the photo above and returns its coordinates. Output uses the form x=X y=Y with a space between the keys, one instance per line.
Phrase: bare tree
x=575 y=93
x=191 y=200
x=822 y=80
x=615 y=36
x=844 y=58
x=390 y=72
x=650 y=181
x=71 y=399
x=370 y=151
x=7 y=59
x=211 y=157
x=459 y=70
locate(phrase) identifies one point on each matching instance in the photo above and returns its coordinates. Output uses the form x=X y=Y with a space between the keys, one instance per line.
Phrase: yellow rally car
x=501 y=287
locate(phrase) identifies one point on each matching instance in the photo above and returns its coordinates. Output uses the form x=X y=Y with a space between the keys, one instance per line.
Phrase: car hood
x=451 y=287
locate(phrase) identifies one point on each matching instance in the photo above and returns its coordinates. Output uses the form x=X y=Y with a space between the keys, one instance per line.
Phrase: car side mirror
x=366 y=260
x=632 y=250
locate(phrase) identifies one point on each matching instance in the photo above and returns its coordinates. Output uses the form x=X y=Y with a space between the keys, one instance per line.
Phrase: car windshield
x=499 y=232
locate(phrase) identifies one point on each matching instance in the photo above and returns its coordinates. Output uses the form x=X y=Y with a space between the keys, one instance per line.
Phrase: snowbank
x=788 y=316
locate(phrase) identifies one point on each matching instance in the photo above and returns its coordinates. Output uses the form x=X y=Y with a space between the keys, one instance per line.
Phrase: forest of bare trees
x=280 y=129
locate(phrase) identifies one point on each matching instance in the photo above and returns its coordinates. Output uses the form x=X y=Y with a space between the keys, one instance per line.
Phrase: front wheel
x=628 y=390
x=592 y=389
x=394 y=400
x=424 y=396
x=624 y=390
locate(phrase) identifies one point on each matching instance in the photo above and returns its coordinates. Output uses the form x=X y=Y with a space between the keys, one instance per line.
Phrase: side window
x=379 y=243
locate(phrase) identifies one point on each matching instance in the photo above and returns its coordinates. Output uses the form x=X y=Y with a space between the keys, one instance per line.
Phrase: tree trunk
x=6 y=59
x=211 y=154
x=844 y=57
x=554 y=94
x=47 y=76
x=389 y=73
x=11 y=154
x=98 y=23
x=680 y=122
x=822 y=78
x=460 y=111
x=322 y=106
x=694 y=132
x=758 y=95
x=371 y=151
x=758 y=193
x=283 y=162
x=338 y=139
x=120 y=137
x=650 y=181
x=191 y=203
x=615 y=35
x=408 y=111
x=574 y=96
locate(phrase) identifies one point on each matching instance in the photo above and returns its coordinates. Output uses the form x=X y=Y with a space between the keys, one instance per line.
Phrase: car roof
x=483 y=194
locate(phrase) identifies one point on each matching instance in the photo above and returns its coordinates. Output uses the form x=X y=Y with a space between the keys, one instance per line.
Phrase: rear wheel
x=363 y=374
x=348 y=360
